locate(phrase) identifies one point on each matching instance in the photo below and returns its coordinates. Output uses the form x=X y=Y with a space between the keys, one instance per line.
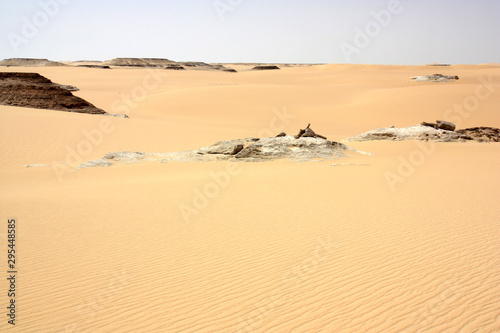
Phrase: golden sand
x=405 y=240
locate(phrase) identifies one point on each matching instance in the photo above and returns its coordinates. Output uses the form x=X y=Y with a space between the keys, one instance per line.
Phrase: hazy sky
x=283 y=31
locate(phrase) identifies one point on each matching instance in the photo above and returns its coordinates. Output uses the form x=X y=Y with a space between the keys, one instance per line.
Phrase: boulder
x=433 y=125
x=445 y=125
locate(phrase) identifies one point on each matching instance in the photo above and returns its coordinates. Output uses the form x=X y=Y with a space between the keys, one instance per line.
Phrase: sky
x=406 y=32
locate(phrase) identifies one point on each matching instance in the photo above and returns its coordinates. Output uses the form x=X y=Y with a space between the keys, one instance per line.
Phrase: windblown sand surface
x=406 y=240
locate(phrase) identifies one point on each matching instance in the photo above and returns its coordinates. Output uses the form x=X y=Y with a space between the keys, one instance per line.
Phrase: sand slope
x=269 y=247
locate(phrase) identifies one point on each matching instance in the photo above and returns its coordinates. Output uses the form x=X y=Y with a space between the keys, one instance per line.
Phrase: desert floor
x=407 y=240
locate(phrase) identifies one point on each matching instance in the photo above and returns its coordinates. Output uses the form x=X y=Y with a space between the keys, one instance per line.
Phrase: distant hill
x=139 y=62
x=29 y=62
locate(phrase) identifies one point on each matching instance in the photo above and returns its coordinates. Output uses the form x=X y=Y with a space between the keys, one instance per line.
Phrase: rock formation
x=434 y=78
x=438 y=65
x=165 y=64
x=430 y=131
x=244 y=150
x=29 y=62
x=32 y=90
x=482 y=134
x=265 y=67
x=440 y=124
x=308 y=133
x=139 y=62
x=95 y=66
x=175 y=67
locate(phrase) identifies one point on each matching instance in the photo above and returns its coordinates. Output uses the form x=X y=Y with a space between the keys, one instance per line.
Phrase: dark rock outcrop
x=95 y=66
x=265 y=67
x=175 y=67
x=440 y=124
x=31 y=90
x=445 y=125
x=424 y=123
x=308 y=133
x=482 y=134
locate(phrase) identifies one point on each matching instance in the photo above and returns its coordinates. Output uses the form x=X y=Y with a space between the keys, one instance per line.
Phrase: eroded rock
x=245 y=150
x=417 y=132
x=482 y=134
x=308 y=133
x=445 y=125
x=434 y=78
x=426 y=132
x=265 y=68
x=33 y=90
x=440 y=124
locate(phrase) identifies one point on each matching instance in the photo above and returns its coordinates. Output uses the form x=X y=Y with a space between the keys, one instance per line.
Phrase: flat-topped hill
x=139 y=62
x=29 y=62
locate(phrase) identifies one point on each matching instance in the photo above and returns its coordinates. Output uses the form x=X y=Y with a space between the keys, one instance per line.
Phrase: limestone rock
x=231 y=147
x=434 y=78
x=287 y=147
x=417 y=132
x=93 y=164
x=244 y=150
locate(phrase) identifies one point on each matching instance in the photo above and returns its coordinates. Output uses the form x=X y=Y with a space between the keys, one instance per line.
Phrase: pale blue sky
x=284 y=31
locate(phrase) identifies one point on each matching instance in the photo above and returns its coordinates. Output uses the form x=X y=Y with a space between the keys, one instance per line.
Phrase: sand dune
x=405 y=240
